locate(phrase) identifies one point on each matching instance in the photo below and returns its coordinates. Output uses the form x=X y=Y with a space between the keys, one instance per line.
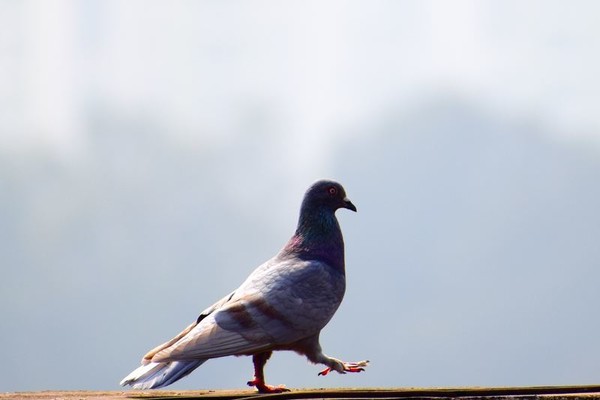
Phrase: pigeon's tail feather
x=156 y=375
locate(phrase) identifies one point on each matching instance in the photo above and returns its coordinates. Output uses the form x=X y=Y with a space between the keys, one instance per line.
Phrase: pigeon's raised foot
x=348 y=367
x=264 y=388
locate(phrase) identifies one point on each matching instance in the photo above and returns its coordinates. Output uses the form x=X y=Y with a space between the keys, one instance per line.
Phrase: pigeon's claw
x=354 y=367
x=348 y=367
x=264 y=388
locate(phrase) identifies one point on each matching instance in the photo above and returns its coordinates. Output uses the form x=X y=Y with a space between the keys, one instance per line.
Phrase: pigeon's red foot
x=348 y=367
x=264 y=388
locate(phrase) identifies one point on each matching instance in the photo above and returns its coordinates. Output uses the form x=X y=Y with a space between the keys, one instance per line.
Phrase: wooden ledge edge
x=590 y=392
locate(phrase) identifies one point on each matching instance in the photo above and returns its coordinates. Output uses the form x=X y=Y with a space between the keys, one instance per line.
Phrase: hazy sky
x=320 y=67
x=152 y=153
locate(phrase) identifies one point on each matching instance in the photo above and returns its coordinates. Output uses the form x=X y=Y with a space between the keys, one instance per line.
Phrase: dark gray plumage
x=282 y=305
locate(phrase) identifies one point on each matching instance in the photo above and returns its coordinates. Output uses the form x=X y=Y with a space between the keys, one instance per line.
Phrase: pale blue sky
x=153 y=153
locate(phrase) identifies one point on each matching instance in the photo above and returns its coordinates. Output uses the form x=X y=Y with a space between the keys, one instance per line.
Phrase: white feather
x=155 y=375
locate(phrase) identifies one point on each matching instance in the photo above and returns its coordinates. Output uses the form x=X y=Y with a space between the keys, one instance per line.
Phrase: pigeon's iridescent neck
x=318 y=237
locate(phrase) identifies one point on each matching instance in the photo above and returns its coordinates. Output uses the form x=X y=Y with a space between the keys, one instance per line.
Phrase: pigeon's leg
x=345 y=366
x=259 y=360
x=311 y=348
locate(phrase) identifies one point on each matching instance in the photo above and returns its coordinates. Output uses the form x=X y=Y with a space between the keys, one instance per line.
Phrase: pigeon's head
x=328 y=194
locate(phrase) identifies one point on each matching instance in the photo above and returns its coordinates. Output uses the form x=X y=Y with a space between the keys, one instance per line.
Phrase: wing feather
x=208 y=340
x=273 y=307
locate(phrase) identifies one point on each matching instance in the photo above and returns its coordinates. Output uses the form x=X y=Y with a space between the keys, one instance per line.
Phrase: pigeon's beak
x=348 y=204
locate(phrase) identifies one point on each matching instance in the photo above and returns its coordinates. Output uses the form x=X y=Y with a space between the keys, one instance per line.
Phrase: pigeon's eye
x=332 y=191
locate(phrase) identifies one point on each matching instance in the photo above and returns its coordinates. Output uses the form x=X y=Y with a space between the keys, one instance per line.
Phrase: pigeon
x=282 y=305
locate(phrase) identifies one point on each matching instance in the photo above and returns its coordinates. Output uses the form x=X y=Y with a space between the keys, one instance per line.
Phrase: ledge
x=485 y=393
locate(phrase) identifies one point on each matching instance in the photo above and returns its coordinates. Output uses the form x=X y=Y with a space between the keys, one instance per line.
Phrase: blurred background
x=153 y=153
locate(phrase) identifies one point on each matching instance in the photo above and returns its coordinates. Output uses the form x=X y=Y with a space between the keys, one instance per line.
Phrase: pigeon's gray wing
x=280 y=303
x=293 y=300
x=149 y=355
